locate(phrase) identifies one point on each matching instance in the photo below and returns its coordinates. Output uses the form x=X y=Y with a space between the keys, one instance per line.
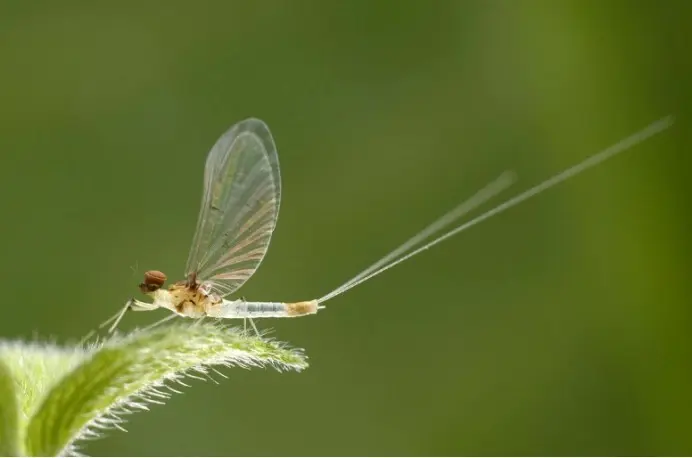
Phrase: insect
x=239 y=211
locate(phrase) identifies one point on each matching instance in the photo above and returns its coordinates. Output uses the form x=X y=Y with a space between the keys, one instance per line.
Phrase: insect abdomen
x=242 y=309
x=262 y=309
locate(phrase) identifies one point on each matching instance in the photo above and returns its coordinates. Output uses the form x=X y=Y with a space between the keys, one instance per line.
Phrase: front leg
x=134 y=305
x=139 y=306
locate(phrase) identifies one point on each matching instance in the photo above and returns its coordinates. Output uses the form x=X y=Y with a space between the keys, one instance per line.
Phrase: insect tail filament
x=493 y=188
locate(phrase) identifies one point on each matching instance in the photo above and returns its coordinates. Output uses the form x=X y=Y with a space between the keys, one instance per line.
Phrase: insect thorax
x=190 y=302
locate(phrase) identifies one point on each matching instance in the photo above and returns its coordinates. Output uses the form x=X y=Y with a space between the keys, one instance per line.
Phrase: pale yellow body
x=196 y=303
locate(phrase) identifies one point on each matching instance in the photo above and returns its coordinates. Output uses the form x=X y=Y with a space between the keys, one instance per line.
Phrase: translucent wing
x=240 y=205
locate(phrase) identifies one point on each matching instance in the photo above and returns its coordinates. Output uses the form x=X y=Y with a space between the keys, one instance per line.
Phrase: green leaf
x=126 y=374
x=9 y=414
x=36 y=368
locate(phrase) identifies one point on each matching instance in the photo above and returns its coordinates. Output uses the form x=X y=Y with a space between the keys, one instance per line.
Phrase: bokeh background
x=560 y=327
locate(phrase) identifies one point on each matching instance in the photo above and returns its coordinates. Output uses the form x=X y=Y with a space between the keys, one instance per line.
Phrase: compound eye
x=153 y=280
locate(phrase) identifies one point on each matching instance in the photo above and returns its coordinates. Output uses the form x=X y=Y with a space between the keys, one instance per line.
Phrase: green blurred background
x=560 y=327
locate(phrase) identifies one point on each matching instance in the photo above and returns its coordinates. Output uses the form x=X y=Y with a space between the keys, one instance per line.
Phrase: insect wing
x=240 y=206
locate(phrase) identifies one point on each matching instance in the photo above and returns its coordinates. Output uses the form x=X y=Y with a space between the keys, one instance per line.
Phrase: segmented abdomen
x=242 y=309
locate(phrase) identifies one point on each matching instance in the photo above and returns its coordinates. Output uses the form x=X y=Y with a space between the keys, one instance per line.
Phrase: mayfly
x=240 y=206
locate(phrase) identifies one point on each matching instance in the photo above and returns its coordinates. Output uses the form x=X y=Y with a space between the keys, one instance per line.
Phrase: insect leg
x=254 y=327
x=132 y=304
x=160 y=322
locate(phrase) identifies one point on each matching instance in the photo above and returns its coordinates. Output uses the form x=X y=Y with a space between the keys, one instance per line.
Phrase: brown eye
x=153 y=280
